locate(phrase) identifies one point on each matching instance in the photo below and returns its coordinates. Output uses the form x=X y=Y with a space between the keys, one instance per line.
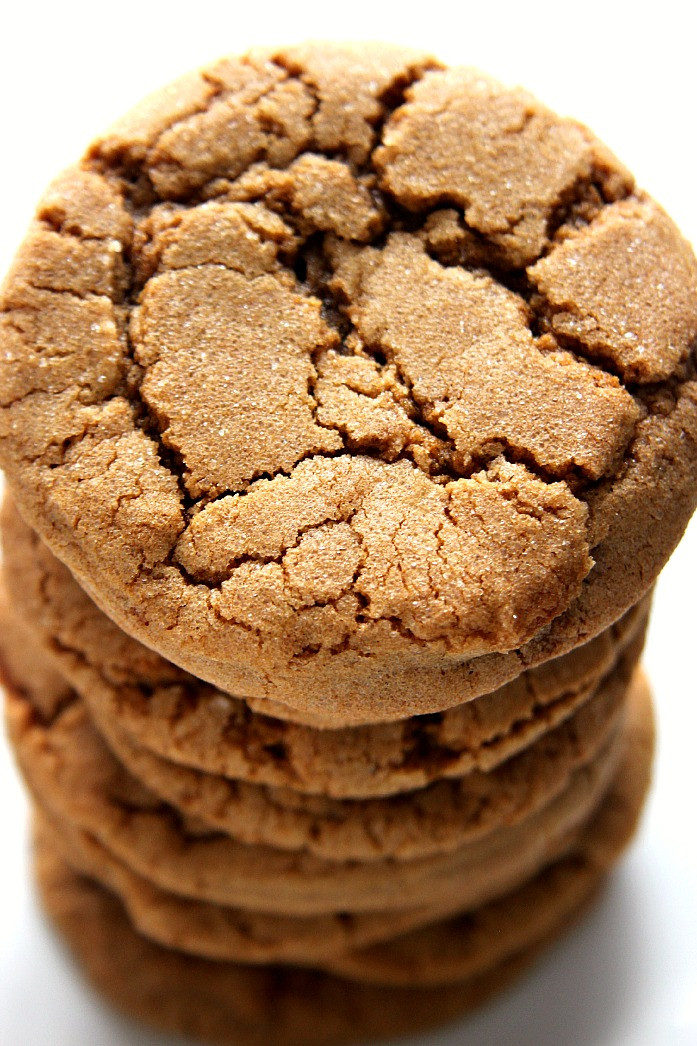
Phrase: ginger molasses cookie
x=327 y=403
x=74 y=778
x=230 y=1003
x=224 y=932
x=434 y=950
x=240 y=1005
x=434 y=819
x=414 y=824
x=143 y=704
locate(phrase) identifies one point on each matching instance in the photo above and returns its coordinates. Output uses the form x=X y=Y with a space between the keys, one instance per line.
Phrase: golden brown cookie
x=434 y=819
x=72 y=774
x=143 y=703
x=224 y=932
x=235 y=1005
x=414 y=824
x=455 y=948
x=290 y=386
x=440 y=952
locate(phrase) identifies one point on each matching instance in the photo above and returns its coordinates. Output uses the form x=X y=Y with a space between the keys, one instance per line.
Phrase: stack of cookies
x=349 y=413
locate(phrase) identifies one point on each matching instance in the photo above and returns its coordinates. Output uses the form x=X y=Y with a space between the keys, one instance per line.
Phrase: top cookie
x=328 y=366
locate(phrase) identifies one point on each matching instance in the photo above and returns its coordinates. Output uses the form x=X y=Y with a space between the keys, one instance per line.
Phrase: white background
x=628 y=977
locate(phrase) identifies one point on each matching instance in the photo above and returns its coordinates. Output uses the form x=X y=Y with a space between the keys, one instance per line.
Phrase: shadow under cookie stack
x=341 y=502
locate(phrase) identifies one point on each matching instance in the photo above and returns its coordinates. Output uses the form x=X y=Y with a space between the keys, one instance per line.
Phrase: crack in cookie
x=397 y=289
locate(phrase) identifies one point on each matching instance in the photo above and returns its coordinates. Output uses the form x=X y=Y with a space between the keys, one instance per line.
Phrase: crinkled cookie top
x=324 y=348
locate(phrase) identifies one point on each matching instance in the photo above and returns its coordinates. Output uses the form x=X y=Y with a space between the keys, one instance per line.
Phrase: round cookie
x=141 y=700
x=415 y=824
x=450 y=950
x=222 y=932
x=291 y=388
x=235 y=1005
x=74 y=777
x=441 y=952
x=436 y=819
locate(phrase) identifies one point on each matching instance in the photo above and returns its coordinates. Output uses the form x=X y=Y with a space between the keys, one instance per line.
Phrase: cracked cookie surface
x=328 y=367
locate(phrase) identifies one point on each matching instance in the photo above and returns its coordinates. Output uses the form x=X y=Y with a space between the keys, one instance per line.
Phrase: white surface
x=628 y=977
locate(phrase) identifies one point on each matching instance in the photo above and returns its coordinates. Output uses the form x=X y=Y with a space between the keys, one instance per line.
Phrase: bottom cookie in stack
x=225 y=1002
x=229 y=1003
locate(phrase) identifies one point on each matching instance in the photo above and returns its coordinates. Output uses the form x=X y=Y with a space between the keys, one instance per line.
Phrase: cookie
x=433 y=952
x=72 y=774
x=223 y=932
x=435 y=819
x=440 y=952
x=21 y=658
x=455 y=948
x=289 y=389
x=140 y=700
x=235 y=1005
